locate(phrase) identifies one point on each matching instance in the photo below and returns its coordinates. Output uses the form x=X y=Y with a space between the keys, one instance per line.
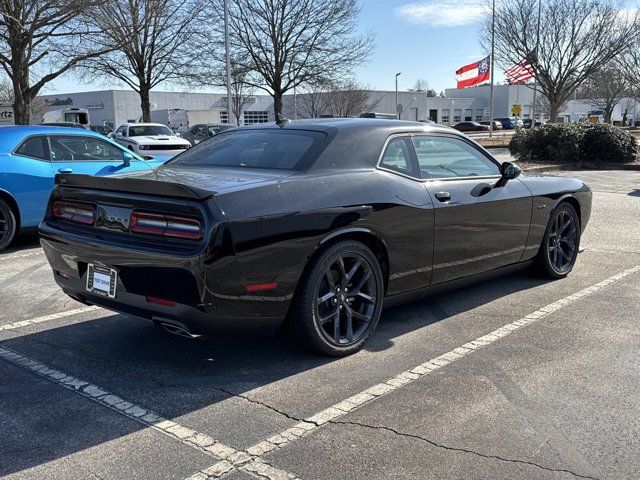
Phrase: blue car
x=30 y=157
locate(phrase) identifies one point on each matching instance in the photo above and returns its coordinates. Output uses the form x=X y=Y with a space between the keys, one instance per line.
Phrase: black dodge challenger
x=314 y=222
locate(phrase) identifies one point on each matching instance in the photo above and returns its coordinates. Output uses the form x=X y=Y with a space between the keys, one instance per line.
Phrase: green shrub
x=571 y=142
x=603 y=143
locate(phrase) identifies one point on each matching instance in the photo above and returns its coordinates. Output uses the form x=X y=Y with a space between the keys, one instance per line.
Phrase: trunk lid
x=212 y=179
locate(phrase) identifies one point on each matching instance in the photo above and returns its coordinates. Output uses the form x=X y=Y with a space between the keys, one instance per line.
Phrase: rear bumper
x=208 y=297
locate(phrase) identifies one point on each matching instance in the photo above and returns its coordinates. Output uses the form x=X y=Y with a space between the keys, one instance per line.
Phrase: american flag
x=519 y=73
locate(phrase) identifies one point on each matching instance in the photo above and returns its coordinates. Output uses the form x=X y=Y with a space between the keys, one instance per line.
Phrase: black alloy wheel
x=346 y=300
x=561 y=242
x=340 y=298
x=8 y=225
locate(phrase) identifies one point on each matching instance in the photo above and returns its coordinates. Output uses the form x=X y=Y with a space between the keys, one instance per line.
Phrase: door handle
x=443 y=196
x=65 y=170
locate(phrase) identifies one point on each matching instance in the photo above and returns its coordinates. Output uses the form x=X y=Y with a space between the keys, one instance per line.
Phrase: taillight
x=75 y=212
x=165 y=225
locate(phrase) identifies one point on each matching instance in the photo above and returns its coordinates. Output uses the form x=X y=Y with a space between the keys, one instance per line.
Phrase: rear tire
x=8 y=226
x=559 y=249
x=339 y=301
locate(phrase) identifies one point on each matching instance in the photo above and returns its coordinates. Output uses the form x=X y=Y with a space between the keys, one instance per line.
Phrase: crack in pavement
x=457 y=449
x=267 y=406
x=403 y=434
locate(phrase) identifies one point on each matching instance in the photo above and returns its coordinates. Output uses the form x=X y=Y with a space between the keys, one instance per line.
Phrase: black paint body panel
x=263 y=226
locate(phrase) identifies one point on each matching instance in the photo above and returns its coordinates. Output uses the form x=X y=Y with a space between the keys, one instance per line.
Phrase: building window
x=251 y=117
x=456 y=115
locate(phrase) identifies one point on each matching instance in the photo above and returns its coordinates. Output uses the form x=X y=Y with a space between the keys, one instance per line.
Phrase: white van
x=74 y=115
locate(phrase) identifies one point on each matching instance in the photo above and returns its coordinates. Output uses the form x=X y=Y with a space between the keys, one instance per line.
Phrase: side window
x=34 y=147
x=82 y=149
x=445 y=157
x=397 y=156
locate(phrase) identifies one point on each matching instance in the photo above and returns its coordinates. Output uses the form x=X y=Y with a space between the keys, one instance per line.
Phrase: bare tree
x=350 y=99
x=6 y=92
x=242 y=90
x=313 y=101
x=292 y=42
x=157 y=43
x=41 y=40
x=578 y=38
x=605 y=89
x=421 y=85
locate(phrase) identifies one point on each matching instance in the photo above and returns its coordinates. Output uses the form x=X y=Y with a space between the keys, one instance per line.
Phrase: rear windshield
x=279 y=149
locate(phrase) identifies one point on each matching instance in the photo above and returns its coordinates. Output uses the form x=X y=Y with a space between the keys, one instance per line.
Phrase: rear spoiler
x=133 y=185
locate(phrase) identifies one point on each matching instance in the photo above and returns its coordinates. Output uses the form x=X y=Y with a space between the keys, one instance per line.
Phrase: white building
x=111 y=108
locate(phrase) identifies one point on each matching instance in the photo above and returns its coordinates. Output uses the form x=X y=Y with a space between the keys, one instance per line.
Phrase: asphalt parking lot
x=516 y=377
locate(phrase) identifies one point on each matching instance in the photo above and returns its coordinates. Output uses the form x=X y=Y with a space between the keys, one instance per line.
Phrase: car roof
x=355 y=142
x=350 y=124
x=11 y=135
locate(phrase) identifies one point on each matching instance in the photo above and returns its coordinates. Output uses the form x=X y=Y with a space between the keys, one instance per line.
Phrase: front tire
x=8 y=225
x=339 y=301
x=559 y=249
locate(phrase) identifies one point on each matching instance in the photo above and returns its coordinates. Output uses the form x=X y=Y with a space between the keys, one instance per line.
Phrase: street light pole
x=228 y=58
x=397 y=104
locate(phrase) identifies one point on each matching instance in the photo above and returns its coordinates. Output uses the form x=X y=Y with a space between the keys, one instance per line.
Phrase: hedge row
x=572 y=142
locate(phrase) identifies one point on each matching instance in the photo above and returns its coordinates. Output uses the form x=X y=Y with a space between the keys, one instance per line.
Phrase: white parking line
x=46 y=318
x=340 y=409
x=146 y=417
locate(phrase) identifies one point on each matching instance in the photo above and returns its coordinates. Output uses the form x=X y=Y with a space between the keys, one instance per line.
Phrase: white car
x=150 y=139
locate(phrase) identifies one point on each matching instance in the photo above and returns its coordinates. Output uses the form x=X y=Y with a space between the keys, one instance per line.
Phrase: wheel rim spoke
x=353 y=270
x=336 y=328
x=349 y=315
x=328 y=318
x=360 y=316
x=329 y=276
x=365 y=297
x=326 y=297
x=365 y=277
x=341 y=270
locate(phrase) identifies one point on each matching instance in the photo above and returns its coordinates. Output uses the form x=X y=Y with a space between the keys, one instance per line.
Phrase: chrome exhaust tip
x=177 y=330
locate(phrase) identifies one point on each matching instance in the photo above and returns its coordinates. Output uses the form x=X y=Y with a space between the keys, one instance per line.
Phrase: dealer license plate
x=101 y=280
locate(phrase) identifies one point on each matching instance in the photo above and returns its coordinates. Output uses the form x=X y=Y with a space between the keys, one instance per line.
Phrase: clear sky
x=423 y=39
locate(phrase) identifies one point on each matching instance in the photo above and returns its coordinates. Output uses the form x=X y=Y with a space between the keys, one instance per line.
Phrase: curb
x=585 y=166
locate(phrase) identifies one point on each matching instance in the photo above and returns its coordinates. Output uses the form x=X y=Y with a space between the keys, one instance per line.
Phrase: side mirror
x=508 y=171
x=126 y=158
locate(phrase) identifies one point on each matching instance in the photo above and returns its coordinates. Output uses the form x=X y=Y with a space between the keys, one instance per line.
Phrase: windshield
x=279 y=149
x=76 y=117
x=144 y=130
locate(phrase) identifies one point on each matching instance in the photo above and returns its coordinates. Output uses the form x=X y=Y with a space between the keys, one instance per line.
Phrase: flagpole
x=535 y=78
x=493 y=35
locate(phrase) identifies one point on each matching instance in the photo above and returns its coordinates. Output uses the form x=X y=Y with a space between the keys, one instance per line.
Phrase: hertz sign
x=6 y=115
